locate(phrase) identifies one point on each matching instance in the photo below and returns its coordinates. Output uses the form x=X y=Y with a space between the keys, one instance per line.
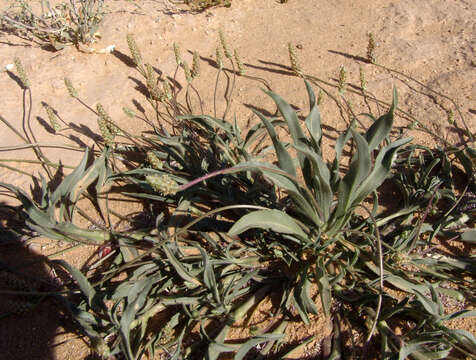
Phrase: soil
x=431 y=41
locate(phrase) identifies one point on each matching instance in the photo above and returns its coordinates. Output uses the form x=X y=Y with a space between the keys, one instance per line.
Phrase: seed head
x=226 y=49
x=451 y=116
x=21 y=73
x=71 y=90
x=293 y=59
x=178 y=55
x=320 y=97
x=129 y=112
x=52 y=118
x=239 y=64
x=167 y=89
x=134 y=50
x=371 y=49
x=106 y=134
x=151 y=80
x=163 y=184
x=363 y=81
x=106 y=126
x=219 y=58
x=186 y=70
x=196 y=65
x=342 y=79
x=149 y=72
x=154 y=161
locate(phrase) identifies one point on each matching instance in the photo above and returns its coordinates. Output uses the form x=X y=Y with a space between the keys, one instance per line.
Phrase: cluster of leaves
x=75 y=22
x=230 y=228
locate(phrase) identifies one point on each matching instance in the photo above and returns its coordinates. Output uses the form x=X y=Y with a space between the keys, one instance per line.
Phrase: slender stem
x=26 y=123
x=13 y=129
x=380 y=258
x=228 y=96
x=16 y=170
x=215 y=94
x=56 y=165
x=46 y=145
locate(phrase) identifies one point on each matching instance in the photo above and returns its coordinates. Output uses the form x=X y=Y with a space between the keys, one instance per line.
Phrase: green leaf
x=324 y=287
x=323 y=192
x=208 y=275
x=290 y=116
x=285 y=161
x=419 y=351
x=271 y=220
x=247 y=346
x=181 y=271
x=71 y=180
x=97 y=169
x=381 y=128
x=459 y=315
x=382 y=167
x=358 y=172
x=307 y=303
x=83 y=283
x=313 y=120
x=209 y=122
x=469 y=236
x=339 y=147
x=302 y=203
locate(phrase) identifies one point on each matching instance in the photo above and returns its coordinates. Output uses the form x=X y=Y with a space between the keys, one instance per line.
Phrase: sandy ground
x=432 y=41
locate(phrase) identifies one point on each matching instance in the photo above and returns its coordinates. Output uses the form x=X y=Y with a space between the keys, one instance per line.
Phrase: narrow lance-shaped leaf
x=324 y=287
x=271 y=220
x=382 y=167
x=291 y=119
x=181 y=271
x=208 y=275
x=339 y=147
x=305 y=300
x=247 y=346
x=381 y=128
x=84 y=285
x=358 y=171
x=285 y=160
x=71 y=180
x=469 y=236
x=313 y=120
x=323 y=192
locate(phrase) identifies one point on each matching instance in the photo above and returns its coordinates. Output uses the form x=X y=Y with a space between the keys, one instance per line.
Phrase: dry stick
x=32 y=28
